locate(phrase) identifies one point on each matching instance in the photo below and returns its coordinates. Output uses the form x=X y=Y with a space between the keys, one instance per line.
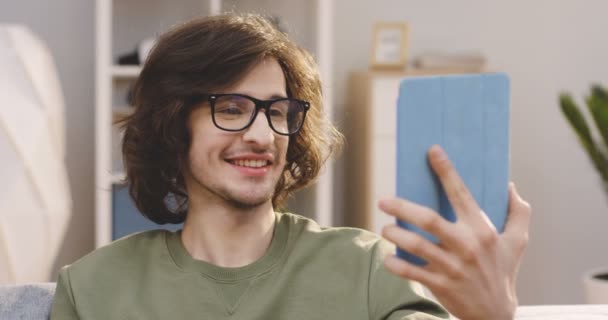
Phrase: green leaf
x=598 y=106
x=577 y=122
x=575 y=118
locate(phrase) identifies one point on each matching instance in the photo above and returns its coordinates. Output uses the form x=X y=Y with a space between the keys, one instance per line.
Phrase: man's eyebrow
x=272 y=97
x=278 y=96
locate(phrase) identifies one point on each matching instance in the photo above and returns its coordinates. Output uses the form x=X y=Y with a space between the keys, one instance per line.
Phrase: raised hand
x=473 y=269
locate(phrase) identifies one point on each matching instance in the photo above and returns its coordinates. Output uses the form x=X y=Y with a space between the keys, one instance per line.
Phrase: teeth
x=250 y=163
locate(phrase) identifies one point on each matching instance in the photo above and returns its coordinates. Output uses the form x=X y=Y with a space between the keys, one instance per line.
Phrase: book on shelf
x=438 y=60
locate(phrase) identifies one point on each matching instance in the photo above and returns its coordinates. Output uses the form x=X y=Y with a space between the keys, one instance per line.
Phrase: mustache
x=254 y=150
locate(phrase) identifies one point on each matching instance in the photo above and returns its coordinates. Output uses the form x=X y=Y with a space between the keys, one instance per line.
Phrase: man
x=228 y=122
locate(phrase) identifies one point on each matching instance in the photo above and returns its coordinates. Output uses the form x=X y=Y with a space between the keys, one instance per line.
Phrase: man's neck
x=228 y=237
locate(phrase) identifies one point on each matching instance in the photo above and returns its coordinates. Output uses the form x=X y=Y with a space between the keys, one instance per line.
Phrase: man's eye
x=231 y=110
x=276 y=113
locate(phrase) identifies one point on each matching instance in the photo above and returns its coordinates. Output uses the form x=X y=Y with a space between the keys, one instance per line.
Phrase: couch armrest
x=28 y=301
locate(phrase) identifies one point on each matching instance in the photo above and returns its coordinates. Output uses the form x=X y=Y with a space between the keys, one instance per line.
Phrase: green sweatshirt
x=308 y=272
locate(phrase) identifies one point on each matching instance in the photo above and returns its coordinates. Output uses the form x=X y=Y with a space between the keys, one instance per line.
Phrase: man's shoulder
x=309 y=230
x=121 y=254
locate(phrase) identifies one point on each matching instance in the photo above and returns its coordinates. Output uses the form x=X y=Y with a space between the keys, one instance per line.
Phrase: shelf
x=117 y=178
x=119 y=112
x=123 y=110
x=125 y=71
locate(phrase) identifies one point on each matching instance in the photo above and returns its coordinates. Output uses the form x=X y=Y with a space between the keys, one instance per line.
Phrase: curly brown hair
x=206 y=55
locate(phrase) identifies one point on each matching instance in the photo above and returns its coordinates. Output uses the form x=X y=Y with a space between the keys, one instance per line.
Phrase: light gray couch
x=26 y=302
x=33 y=302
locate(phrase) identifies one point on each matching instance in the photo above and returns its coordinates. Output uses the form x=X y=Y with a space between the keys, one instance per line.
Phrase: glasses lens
x=287 y=115
x=233 y=112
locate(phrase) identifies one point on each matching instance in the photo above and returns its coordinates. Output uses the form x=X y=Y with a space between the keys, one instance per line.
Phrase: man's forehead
x=265 y=80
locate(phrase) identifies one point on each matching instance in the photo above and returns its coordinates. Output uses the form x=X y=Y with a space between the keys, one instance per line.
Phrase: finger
x=518 y=219
x=425 y=219
x=413 y=243
x=458 y=194
x=409 y=271
x=454 y=237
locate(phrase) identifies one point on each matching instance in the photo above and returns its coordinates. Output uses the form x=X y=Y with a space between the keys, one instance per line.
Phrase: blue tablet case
x=468 y=115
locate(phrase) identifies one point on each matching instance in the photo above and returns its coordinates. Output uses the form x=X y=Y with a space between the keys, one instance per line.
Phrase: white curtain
x=35 y=201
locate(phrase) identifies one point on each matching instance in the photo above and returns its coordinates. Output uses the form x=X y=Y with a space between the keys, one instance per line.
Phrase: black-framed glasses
x=236 y=112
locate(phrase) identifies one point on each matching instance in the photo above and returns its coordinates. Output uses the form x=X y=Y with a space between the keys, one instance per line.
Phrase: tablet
x=468 y=115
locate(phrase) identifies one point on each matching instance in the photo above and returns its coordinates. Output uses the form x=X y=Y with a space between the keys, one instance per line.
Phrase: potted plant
x=595 y=281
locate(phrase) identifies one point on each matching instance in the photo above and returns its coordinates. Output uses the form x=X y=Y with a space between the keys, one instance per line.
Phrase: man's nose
x=259 y=132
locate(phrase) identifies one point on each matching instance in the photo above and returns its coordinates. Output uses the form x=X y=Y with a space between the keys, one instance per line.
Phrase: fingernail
x=391 y=262
x=438 y=152
x=382 y=203
x=385 y=231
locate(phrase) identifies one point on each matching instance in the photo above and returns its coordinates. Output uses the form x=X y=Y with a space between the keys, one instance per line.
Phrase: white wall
x=545 y=46
x=67 y=27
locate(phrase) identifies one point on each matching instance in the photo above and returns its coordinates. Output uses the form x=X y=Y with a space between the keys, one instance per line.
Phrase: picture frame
x=390 y=44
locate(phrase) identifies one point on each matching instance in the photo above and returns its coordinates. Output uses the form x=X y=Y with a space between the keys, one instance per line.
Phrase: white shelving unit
x=120 y=24
x=127 y=72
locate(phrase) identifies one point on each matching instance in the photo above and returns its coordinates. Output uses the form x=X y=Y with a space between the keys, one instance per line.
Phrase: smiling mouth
x=250 y=163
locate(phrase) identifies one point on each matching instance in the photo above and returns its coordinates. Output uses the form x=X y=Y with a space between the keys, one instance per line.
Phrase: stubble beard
x=233 y=200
